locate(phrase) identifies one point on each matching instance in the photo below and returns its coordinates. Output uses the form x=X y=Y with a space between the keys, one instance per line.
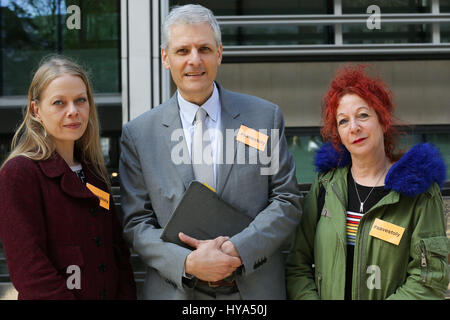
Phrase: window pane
x=442 y=141
x=444 y=5
x=387 y=6
x=270 y=34
x=445 y=32
x=97 y=43
x=28 y=33
x=277 y=35
x=389 y=33
x=303 y=149
x=261 y=7
x=32 y=29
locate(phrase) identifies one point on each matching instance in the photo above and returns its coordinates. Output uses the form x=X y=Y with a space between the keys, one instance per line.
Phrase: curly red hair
x=354 y=80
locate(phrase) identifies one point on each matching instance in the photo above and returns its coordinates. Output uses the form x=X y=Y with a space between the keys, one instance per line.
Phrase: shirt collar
x=212 y=106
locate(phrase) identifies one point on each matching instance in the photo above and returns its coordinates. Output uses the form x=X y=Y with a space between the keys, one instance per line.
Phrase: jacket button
x=98 y=241
x=102 y=267
x=93 y=211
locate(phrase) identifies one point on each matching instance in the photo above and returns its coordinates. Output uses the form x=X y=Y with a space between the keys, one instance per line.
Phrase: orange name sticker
x=101 y=195
x=252 y=138
x=387 y=231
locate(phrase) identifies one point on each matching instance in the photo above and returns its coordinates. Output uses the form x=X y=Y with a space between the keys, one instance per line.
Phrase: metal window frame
x=331 y=52
x=337 y=19
x=408 y=129
x=412 y=18
x=345 y=49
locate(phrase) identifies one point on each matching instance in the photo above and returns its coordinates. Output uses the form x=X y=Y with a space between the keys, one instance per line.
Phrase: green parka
x=415 y=269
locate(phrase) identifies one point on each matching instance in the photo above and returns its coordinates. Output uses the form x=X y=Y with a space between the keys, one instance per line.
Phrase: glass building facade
x=34 y=29
x=271 y=33
x=31 y=30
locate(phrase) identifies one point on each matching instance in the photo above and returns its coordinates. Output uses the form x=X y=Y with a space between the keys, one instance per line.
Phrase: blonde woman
x=61 y=236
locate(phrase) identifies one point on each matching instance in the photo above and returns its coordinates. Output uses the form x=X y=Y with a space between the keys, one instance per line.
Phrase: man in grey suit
x=256 y=175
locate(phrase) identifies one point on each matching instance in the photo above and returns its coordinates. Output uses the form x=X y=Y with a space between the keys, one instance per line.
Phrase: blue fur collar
x=413 y=174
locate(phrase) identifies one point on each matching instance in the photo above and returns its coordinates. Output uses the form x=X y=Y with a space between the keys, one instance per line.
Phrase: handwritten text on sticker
x=252 y=138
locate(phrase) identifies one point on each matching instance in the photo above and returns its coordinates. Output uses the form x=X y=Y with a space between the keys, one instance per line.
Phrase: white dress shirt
x=212 y=122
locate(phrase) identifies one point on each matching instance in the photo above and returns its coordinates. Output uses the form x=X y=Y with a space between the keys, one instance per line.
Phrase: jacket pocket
x=433 y=261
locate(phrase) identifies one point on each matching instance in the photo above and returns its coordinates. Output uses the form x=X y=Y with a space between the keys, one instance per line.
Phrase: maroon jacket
x=49 y=221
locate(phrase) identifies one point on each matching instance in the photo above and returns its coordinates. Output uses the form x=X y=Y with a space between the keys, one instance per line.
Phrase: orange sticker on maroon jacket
x=102 y=195
x=252 y=138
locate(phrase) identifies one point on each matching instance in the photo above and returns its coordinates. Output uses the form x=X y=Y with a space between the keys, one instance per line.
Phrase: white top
x=76 y=167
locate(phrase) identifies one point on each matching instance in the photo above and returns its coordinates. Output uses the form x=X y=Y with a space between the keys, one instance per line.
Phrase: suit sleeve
x=23 y=234
x=273 y=226
x=141 y=227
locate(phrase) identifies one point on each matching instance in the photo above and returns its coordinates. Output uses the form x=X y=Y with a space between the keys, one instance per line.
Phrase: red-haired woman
x=373 y=224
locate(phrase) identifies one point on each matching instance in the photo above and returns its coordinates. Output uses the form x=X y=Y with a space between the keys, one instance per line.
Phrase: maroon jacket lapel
x=55 y=167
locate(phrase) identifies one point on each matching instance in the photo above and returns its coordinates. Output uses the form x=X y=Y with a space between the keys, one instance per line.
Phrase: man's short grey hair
x=189 y=14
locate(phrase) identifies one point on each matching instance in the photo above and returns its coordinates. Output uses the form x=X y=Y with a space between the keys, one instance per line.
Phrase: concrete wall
x=421 y=88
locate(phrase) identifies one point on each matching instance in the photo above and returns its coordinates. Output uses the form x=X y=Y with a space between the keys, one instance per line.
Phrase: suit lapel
x=171 y=122
x=230 y=120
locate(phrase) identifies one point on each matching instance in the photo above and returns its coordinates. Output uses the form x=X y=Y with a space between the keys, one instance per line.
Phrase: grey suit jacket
x=152 y=184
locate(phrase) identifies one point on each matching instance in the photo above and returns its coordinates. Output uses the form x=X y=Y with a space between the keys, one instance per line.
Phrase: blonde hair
x=30 y=139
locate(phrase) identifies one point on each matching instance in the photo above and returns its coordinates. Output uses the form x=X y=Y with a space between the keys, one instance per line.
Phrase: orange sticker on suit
x=252 y=138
